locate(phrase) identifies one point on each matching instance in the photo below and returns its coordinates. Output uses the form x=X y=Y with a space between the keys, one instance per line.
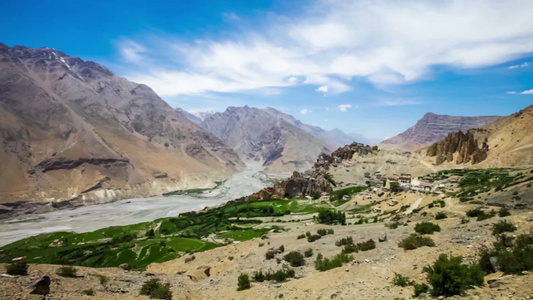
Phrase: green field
x=157 y=241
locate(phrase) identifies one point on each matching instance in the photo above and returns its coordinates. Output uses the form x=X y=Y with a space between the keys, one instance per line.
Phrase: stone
x=382 y=237
x=124 y=266
x=41 y=286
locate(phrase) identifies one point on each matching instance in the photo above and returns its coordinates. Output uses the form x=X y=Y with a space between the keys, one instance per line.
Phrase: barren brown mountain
x=71 y=129
x=431 y=129
x=506 y=142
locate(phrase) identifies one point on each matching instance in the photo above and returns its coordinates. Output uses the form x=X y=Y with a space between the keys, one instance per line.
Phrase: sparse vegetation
x=503 y=226
x=504 y=212
x=17 y=268
x=421 y=288
x=270 y=255
x=308 y=252
x=400 y=280
x=426 y=228
x=440 y=215
x=449 y=276
x=328 y=216
x=512 y=255
x=324 y=264
x=156 y=290
x=67 y=271
x=301 y=236
x=416 y=241
x=243 y=282
x=89 y=292
x=480 y=214
x=278 y=276
x=313 y=238
x=295 y=259
x=344 y=241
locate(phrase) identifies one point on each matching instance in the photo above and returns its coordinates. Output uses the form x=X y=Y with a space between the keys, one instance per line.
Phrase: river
x=131 y=211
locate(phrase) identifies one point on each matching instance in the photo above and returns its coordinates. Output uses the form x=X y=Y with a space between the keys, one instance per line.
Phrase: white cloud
x=331 y=42
x=305 y=111
x=344 y=107
x=528 y=92
x=131 y=50
x=323 y=89
x=511 y=92
x=523 y=65
x=398 y=102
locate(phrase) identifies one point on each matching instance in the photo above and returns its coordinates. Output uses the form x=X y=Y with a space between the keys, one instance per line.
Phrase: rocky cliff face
x=261 y=136
x=460 y=147
x=506 y=142
x=71 y=129
x=431 y=129
x=313 y=182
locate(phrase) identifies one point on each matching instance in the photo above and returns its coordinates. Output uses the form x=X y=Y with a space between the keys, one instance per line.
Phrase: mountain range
x=71 y=129
x=432 y=128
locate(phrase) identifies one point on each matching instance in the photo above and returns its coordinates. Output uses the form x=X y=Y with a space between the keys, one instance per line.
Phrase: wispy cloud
x=527 y=92
x=305 y=111
x=511 y=92
x=398 y=102
x=131 y=51
x=523 y=65
x=344 y=107
x=331 y=42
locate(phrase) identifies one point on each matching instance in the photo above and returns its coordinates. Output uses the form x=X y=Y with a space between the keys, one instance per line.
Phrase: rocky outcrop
x=315 y=181
x=431 y=129
x=460 y=147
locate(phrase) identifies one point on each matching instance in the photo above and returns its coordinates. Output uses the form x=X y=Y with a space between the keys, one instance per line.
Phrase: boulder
x=41 y=286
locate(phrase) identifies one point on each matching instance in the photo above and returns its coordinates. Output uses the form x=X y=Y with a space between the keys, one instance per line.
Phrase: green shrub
x=485 y=216
x=278 y=276
x=344 y=241
x=513 y=255
x=150 y=233
x=243 y=282
x=17 y=268
x=156 y=290
x=89 y=292
x=301 y=236
x=324 y=264
x=464 y=220
x=270 y=255
x=504 y=212
x=308 y=252
x=393 y=225
x=281 y=249
x=421 y=288
x=426 y=228
x=440 y=215
x=322 y=232
x=365 y=246
x=308 y=234
x=330 y=231
x=474 y=212
x=230 y=258
x=503 y=226
x=401 y=280
x=67 y=271
x=328 y=216
x=313 y=238
x=295 y=258
x=449 y=276
x=415 y=241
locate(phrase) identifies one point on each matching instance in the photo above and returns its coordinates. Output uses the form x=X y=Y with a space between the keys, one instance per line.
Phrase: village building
x=325 y=196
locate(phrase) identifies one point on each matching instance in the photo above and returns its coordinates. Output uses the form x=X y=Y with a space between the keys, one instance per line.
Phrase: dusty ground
x=367 y=277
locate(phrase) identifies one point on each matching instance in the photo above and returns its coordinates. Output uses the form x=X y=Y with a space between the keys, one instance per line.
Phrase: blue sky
x=367 y=67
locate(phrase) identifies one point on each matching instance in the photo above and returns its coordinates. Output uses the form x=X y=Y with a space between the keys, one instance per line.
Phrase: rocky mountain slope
x=268 y=137
x=71 y=129
x=433 y=128
x=506 y=142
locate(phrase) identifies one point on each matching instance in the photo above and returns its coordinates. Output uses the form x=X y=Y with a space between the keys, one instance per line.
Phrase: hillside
x=432 y=128
x=506 y=142
x=73 y=130
x=266 y=137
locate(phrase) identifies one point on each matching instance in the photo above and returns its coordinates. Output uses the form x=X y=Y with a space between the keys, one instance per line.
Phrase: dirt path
x=413 y=206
